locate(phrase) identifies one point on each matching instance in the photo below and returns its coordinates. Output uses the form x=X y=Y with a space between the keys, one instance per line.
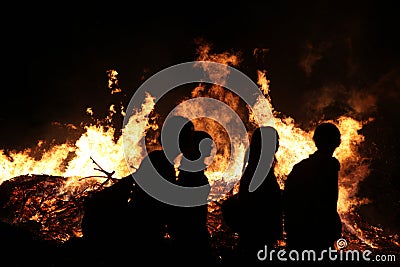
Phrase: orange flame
x=113 y=82
x=98 y=141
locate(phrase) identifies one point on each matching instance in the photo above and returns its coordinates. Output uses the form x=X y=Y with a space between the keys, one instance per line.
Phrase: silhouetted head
x=176 y=133
x=255 y=143
x=254 y=152
x=186 y=136
x=186 y=131
x=200 y=146
x=204 y=142
x=327 y=137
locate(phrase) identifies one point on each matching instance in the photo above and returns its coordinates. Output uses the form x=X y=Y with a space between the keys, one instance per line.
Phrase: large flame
x=75 y=160
x=96 y=142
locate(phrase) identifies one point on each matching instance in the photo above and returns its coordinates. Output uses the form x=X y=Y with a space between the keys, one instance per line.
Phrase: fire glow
x=98 y=142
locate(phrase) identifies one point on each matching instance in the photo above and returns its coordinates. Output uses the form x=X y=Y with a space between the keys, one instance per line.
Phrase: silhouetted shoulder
x=163 y=165
x=159 y=159
x=157 y=154
x=336 y=163
x=316 y=161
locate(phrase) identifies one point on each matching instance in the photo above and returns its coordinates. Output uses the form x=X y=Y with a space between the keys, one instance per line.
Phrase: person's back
x=190 y=226
x=311 y=195
x=125 y=217
x=261 y=210
x=106 y=220
x=152 y=217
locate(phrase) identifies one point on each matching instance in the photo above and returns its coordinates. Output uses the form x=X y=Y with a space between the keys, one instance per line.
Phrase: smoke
x=375 y=171
x=361 y=102
x=388 y=85
x=338 y=99
x=312 y=54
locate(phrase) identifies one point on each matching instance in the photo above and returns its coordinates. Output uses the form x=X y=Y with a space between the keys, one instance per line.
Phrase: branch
x=109 y=174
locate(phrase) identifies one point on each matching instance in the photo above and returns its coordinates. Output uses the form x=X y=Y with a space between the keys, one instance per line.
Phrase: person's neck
x=325 y=152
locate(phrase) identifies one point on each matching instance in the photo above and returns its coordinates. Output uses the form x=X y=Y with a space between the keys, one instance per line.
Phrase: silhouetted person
x=106 y=224
x=153 y=236
x=125 y=220
x=191 y=235
x=311 y=194
x=261 y=210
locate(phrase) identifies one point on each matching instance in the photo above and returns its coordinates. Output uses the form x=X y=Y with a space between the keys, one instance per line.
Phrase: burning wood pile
x=36 y=203
x=33 y=203
x=51 y=205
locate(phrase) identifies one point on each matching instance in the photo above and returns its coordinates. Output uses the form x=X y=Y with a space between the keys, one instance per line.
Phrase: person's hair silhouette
x=261 y=209
x=124 y=213
x=256 y=216
x=157 y=218
x=190 y=231
x=327 y=137
x=254 y=153
x=311 y=193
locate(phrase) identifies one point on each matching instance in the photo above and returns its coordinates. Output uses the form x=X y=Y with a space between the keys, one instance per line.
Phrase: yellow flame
x=113 y=82
x=89 y=111
x=98 y=141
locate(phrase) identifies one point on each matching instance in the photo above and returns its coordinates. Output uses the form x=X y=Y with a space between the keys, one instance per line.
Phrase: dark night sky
x=55 y=61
